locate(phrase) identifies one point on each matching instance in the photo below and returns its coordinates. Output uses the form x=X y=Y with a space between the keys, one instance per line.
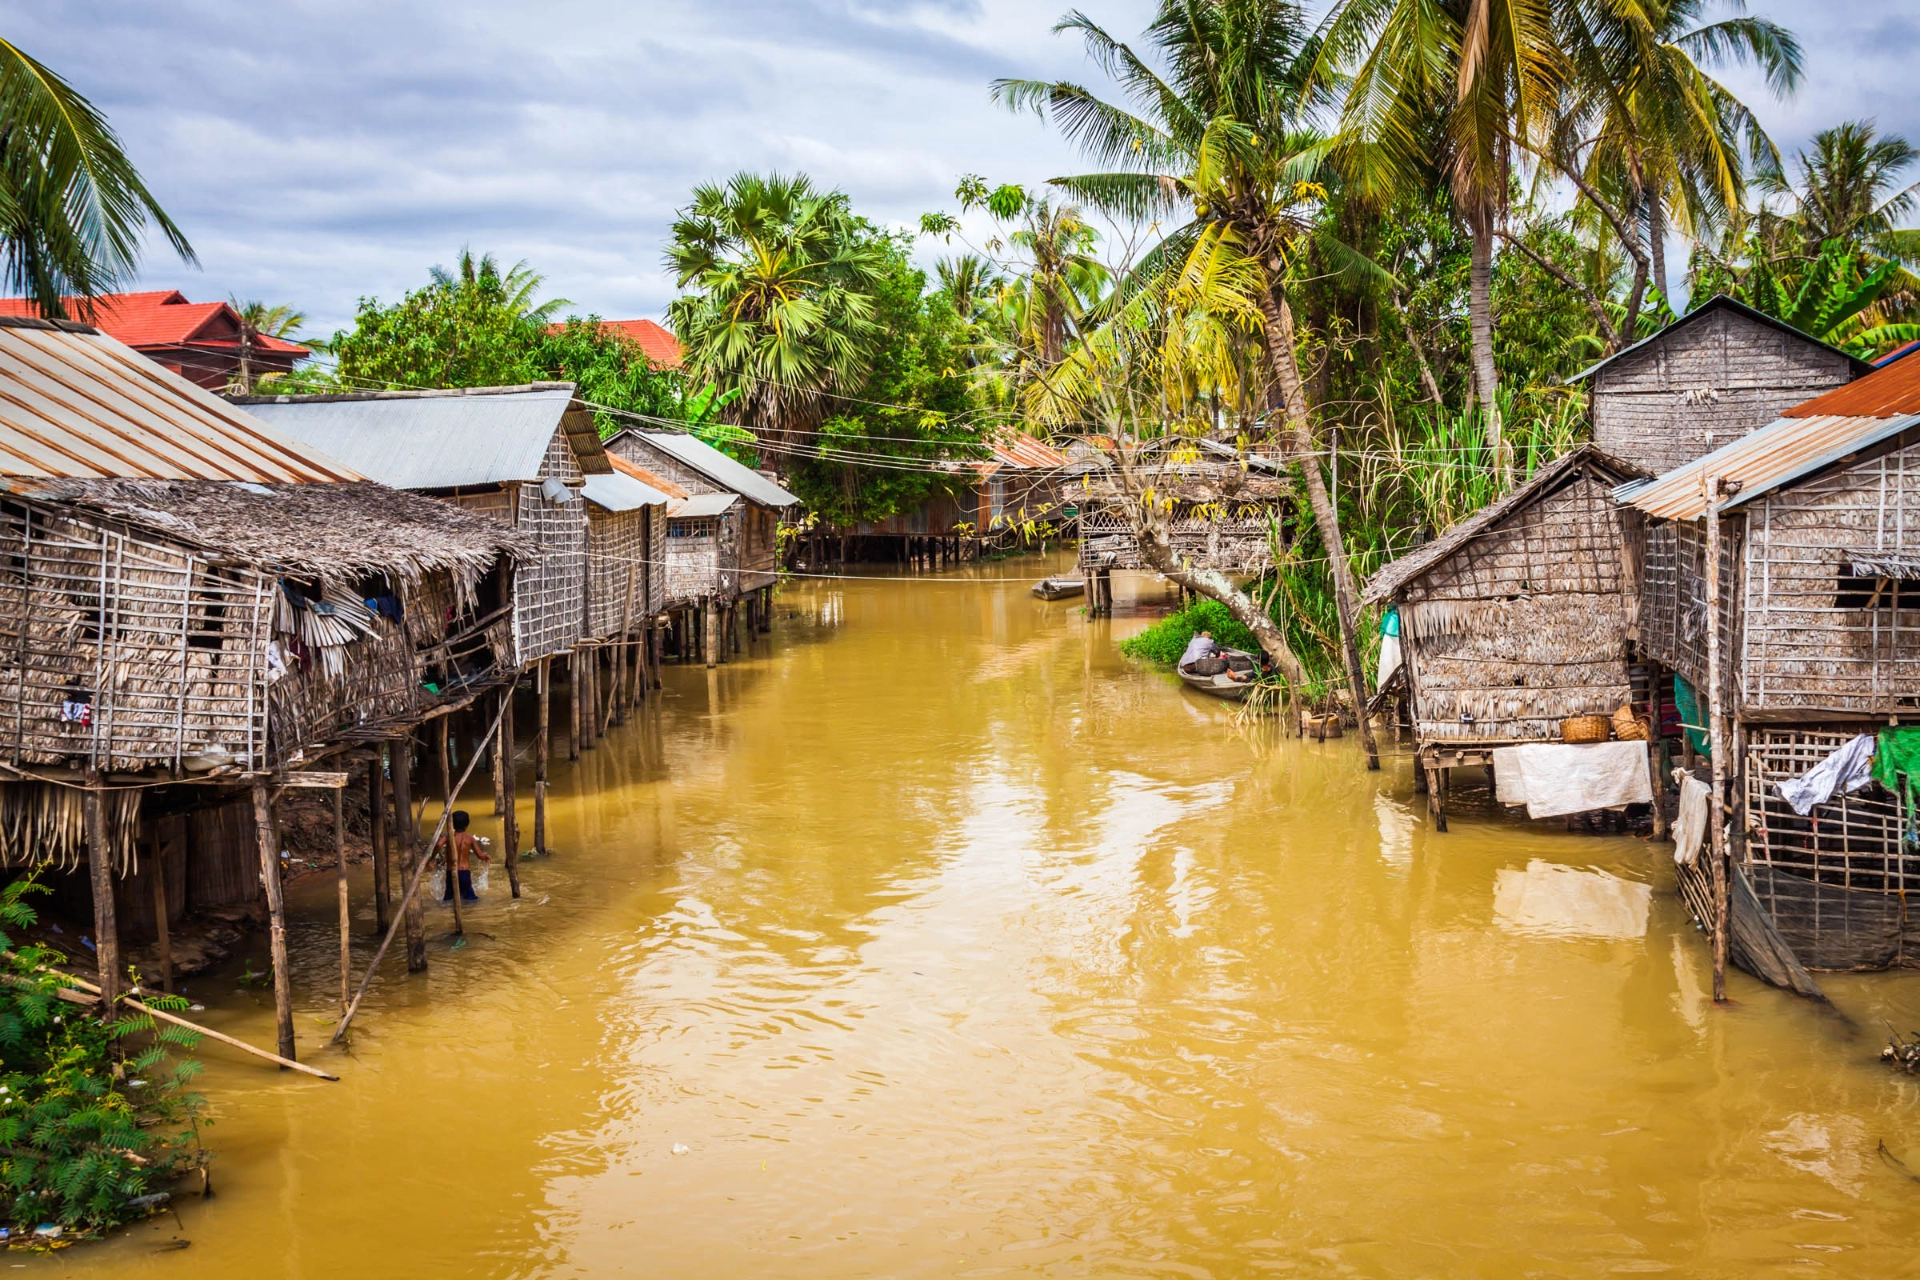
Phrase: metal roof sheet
x=701 y=504
x=1892 y=391
x=719 y=468
x=1024 y=451
x=434 y=439
x=621 y=492
x=1778 y=454
x=76 y=404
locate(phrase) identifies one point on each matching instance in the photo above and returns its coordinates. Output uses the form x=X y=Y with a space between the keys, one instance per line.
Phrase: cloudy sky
x=319 y=150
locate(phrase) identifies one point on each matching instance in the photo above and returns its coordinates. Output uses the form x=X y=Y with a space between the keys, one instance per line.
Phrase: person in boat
x=1201 y=646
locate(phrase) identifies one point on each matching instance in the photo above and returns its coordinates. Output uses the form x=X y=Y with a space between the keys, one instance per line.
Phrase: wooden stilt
x=586 y=665
x=510 y=826
x=1436 y=806
x=573 y=705
x=445 y=752
x=710 y=650
x=377 y=838
x=542 y=743
x=657 y=643
x=409 y=850
x=1722 y=874
x=499 y=781
x=276 y=915
x=161 y=923
x=106 y=927
x=340 y=881
x=1654 y=752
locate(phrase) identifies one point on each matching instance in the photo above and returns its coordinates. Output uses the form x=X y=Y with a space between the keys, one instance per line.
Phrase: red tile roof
x=656 y=341
x=1890 y=392
x=162 y=318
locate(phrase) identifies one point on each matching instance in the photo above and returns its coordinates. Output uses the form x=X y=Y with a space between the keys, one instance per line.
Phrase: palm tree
x=258 y=320
x=781 y=280
x=1849 y=190
x=1220 y=138
x=72 y=207
x=513 y=291
x=1452 y=86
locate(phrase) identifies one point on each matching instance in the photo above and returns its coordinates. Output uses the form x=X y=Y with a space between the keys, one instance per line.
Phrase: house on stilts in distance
x=197 y=611
x=626 y=549
x=1015 y=496
x=1818 y=519
x=1515 y=620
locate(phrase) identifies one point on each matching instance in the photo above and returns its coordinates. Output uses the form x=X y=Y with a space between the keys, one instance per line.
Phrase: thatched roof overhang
x=76 y=404
x=1393 y=578
x=334 y=531
x=1782 y=453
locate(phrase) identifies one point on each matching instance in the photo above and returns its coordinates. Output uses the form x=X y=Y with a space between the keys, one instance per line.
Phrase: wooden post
x=106 y=927
x=340 y=879
x=573 y=705
x=1436 y=791
x=541 y=744
x=623 y=686
x=377 y=838
x=510 y=826
x=586 y=666
x=710 y=637
x=160 y=912
x=1716 y=741
x=656 y=646
x=499 y=781
x=409 y=851
x=443 y=736
x=276 y=914
x=1654 y=751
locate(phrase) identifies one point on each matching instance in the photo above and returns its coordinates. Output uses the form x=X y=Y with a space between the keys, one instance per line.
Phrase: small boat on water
x=1216 y=675
x=1059 y=588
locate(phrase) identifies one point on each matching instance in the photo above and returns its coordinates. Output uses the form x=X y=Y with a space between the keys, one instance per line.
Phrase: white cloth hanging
x=1690 y=826
x=1848 y=769
x=1557 y=778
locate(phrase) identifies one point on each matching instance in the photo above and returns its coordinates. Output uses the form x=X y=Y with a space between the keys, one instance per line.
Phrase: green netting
x=1692 y=717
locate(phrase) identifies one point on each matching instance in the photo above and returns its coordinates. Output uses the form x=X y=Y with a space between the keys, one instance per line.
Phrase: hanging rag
x=1896 y=766
x=1389 y=647
x=1557 y=778
x=1690 y=826
x=1846 y=770
x=276 y=661
x=1693 y=716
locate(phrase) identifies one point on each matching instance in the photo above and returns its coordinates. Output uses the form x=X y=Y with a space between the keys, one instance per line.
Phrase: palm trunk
x=1657 y=246
x=1299 y=440
x=1480 y=318
x=1157 y=551
x=1629 y=331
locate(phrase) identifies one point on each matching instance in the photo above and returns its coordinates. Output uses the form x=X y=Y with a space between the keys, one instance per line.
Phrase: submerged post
x=510 y=823
x=276 y=914
x=445 y=752
x=106 y=927
x=409 y=852
x=340 y=879
x=710 y=632
x=540 y=747
x=160 y=913
x=1716 y=741
x=573 y=704
x=377 y=837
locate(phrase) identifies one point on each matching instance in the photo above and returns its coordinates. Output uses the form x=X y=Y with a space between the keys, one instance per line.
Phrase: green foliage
x=1166 y=640
x=89 y=1120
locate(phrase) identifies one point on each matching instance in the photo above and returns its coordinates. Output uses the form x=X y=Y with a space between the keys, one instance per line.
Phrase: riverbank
x=946 y=940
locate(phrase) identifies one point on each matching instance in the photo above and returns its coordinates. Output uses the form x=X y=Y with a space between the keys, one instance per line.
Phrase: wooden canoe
x=1059 y=588
x=1224 y=685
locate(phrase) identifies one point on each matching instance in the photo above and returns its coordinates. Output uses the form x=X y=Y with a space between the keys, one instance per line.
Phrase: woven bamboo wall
x=655 y=523
x=1673 y=594
x=1802 y=648
x=164 y=649
x=1234 y=544
x=1524 y=625
x=549 y=593
x=693 y=561
x=616 y=543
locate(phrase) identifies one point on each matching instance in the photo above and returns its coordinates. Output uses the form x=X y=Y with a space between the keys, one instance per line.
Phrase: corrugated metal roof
x=621 y=492
x=433 y=439
x=701 y=504
x=1777 y=454
x=1890 y=392
x=76 y=404
x=719 y=468
x=1717 y=302
x=1025 y=451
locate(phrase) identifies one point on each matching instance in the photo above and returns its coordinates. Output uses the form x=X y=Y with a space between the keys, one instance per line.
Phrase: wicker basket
x=1585 y=729
x=1629 y=727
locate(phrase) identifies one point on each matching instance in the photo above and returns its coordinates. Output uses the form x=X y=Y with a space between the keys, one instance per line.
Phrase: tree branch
x=1594 y=304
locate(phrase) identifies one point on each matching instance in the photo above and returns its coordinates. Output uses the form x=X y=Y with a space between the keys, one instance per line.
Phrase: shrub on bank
x=1166 y=640
x=95 y=1117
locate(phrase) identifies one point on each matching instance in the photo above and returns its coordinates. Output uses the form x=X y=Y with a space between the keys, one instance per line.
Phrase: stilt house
x=1017 y=496
x=626 y=531
x=1819 y=628
x=1710 y=377
x=1517 y=618
x=519 y=455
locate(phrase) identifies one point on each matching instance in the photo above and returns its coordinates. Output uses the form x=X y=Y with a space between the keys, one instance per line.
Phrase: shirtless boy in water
x=465 y=846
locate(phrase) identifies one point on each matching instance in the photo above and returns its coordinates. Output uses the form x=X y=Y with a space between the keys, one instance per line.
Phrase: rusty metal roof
x=1023 y=450
x=1889 y=392
x=75 y=404
x=1777 y=454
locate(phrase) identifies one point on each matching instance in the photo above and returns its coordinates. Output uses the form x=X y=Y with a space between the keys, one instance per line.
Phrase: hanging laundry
x=1846 y=770
x=1693 y=715
x=1896 y=766
x=1690 y=826
x=1557 y=778
x=75 y=712
x=1389 y=647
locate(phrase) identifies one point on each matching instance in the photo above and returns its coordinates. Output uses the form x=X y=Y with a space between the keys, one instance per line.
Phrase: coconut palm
x=1220 y=139
x=258 y=320
x=780 y=279
x=73 y=209
x=514 y=290
x=1848 y=189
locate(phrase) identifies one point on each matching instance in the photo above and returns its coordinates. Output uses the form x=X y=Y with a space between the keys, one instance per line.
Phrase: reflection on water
x=935 y=939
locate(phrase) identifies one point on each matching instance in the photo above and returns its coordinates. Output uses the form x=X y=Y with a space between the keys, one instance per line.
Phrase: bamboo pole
x=510 y=817
x=196 y=1028
x=573 y=705
x=276 y=915
x=410 y=860
x=445 y=753
x=106 y=928
x=377 y=838
x=542 y=738
x=1716 y=737
x=340 y=880
x=160 y=914
x=407 y=901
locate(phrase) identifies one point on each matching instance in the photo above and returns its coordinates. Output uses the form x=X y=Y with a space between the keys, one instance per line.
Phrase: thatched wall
x=549 y=590
x=1234 y=542
x=655 y=524
x=1673 y=595
x=693 y=558
x=616 y=546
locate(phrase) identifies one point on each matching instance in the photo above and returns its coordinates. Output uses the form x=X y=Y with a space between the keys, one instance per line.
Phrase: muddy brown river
x=937 y=939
